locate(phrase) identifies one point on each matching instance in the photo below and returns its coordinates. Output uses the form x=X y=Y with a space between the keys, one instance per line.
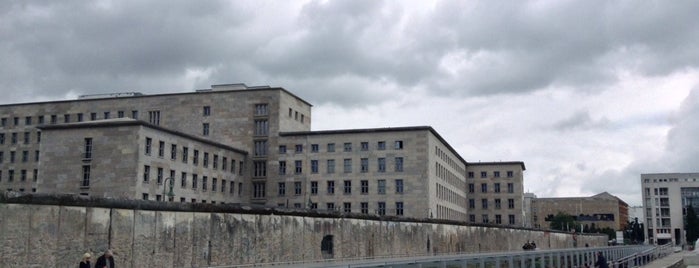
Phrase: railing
x=617 y=257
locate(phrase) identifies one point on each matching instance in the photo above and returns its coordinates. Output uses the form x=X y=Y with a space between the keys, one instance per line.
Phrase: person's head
x=108 y=253
x=86 y=257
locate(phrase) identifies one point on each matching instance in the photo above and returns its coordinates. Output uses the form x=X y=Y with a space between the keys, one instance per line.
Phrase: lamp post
x=170 y=194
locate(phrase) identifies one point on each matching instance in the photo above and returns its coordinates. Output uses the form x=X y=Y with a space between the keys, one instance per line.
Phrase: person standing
x=106 y=260
x=601 y=261
x=85 y=263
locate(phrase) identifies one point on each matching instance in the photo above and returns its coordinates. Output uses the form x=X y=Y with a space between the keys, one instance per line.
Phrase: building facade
x=239 y=144
x=666 y=197
x=603 y=210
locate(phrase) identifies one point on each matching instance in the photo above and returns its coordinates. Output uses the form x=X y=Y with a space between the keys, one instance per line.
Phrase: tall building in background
x=238 y=144
x=666 y=197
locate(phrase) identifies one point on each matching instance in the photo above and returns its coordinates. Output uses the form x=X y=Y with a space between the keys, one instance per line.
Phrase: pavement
x=668 y=261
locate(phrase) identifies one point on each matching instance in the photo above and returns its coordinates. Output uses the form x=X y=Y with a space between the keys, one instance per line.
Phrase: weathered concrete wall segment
x=58 y=235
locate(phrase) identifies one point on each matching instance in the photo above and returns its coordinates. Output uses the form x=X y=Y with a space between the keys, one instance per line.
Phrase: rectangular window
x=258 y=189
x=195 y=157
x=510 y=188
x=381 y=164
x=28 y=120
x=260 y=169
x=154 y=117
x=314 y=187
x=399 y=186
x=314 y=148
x=205 y=129
x=106 y=115
x=496 y=187
x=498 y=219
x=298 y=166
x=146 y=173
x=484 y=187
x=223 y=186
x=471 y=188
x=472 y=203
x=12 y=156
x=54 y=119
x=510 y=174
x=399 y=145
x=330 y=206
x=347 y=207
x=365 y=146
x=348 y=187
x=261 y=127
x=134 y=114
x=144 y=196
x=205 y=160
x=80 y=117
x=3 y=122
x=195 y=181
x=399 y=164
x=331 y=147
x=120 y=114
x=27 y=139
x=347 y=165
x=498 y=204
x=281 y=189
x=510 y=203
x=496 y=174
x=185 y=154
x=260 y=147
x=66 y=118
x=231 y=189
x=173 y=151
x=38 y=137
x=36 y=175
x=282 y=149
x=382 y=208
x=381 y=186
x=299 y=148
x=511 y=219
x=348 y=147
x=399 y=208
x=2 y=138
x=364 y=207
x=331 y=187
x=161 y=149
x=88 y=148
x=297 y=188
x=261 y=109
x=207 y=111
x=314 y=166
x=204 y=180
x=213 y=184
x=364 y=162
x=183 y=180
x=472 y=218
x=282 y=167
x=93 y=116
x=381 y=145
x=331 y=166
x=484 y=203
x=10 y=175
x=2 y=156
x=484 y=218
x=25 y=156
x=484 y=174
x=41 y=119
x=364 y=186
x=160 y=176
x=214 y=161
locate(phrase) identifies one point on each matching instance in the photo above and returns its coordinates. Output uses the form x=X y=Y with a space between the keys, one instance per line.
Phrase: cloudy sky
x=589 y=94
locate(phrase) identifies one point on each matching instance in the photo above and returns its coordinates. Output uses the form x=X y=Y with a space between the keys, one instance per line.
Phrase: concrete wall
x=55 y=232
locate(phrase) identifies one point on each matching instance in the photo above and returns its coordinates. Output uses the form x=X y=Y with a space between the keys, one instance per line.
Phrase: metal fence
x=617 y=257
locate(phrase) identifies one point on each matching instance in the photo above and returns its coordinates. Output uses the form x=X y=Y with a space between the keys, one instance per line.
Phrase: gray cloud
x=580 y=120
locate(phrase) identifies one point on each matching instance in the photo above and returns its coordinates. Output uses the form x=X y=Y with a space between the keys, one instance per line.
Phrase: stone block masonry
x=55 y=230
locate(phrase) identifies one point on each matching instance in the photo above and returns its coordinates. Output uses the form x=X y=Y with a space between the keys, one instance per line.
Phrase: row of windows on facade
x=347 y=147
x=381 y=209
x=497 y=203
x=346 y=167
x=23 y=175
x=153 y=117
x=496 y=187
x=194 y=179
x=13 y=156
x=262 y=109
x=330 y=188
x=498 y=219
x=443 y=155
x=484 y=174
x=158 y=197
x=14 y=138
x=195 y=156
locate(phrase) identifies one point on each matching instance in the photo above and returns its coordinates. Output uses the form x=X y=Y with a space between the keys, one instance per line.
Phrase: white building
x=665 y=199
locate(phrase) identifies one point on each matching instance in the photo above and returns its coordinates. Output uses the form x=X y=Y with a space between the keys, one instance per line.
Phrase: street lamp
x=170 y=194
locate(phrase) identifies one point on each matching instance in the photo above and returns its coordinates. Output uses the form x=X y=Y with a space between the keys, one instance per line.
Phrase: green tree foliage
x=564 y=222
x=691 y=225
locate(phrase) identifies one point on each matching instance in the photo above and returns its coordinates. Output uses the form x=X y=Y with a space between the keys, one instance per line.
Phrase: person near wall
x=85 y=263
x=106 y=260
x=601 y=261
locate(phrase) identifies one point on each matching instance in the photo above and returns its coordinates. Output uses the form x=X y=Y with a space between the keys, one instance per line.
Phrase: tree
x=691 y=225
x=563 y=221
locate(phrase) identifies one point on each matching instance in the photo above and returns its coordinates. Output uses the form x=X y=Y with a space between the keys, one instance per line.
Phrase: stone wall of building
x=54 y=231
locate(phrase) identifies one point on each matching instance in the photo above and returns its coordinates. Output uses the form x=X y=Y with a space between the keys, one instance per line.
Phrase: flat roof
x=116 y=122
x=498 y=163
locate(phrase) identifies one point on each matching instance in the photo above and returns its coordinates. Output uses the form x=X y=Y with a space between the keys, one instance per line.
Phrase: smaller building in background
x=602 y=210
x=665 y=199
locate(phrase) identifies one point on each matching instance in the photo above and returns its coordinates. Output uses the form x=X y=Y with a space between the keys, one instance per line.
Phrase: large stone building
x=603 y=210
x=239 y=144
x=665 y=199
